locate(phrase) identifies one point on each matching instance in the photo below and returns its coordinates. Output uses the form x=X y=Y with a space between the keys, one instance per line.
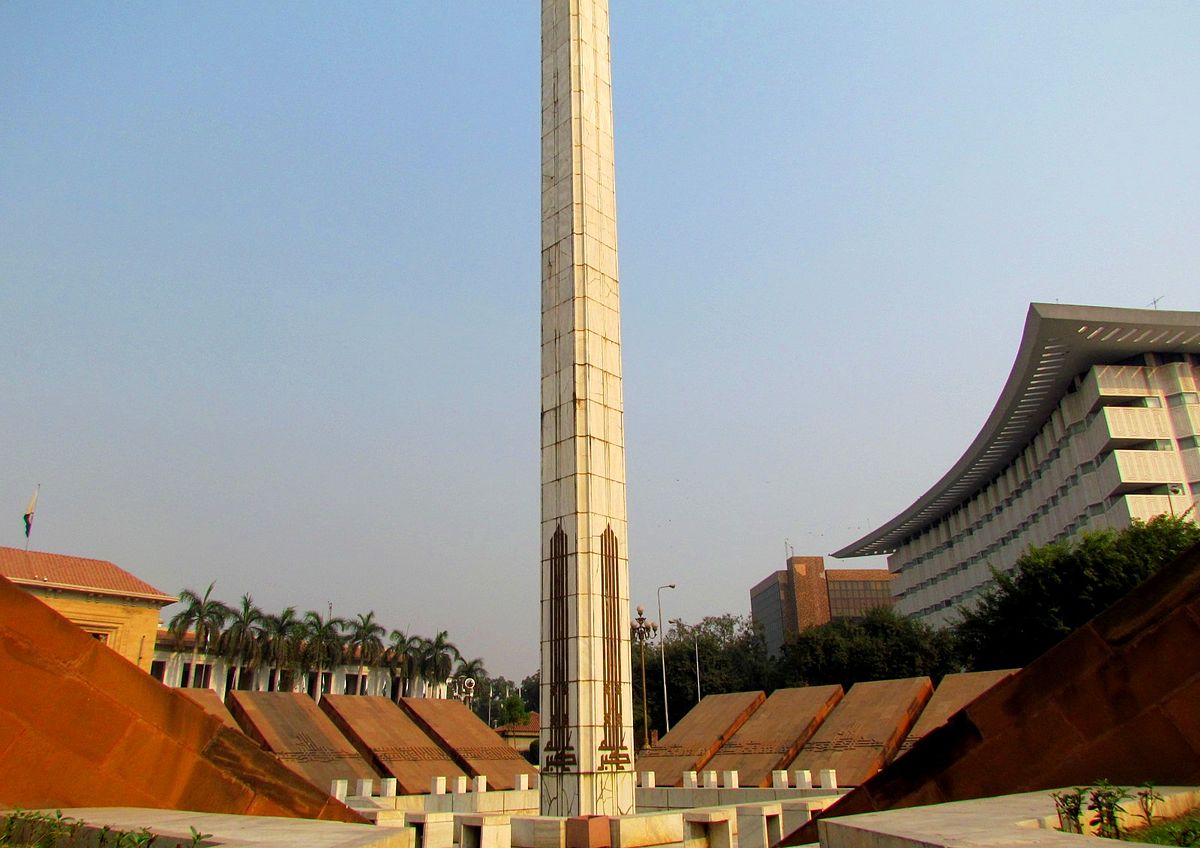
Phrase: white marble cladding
x=583 y=438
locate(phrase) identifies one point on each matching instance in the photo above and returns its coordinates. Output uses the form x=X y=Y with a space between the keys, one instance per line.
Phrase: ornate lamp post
x=641 y=630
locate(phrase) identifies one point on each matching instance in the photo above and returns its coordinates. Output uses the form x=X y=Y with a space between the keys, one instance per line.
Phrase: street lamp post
x=662 y=655
x=678 y=622
x=641 y=630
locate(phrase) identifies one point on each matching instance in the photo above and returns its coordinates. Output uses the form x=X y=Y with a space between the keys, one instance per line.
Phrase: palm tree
x=437 y=661
x=242 y=641
x=205 y=617
x=283 y=637
x=324 y=645
x=403 y=658
x=364 y=637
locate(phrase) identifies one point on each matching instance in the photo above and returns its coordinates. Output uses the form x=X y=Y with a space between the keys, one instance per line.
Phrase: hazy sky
x=269 y=277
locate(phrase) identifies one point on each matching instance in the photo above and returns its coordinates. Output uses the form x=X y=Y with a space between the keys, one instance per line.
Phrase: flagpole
x=29 y=514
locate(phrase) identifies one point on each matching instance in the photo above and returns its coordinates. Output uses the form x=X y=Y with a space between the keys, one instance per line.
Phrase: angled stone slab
x=698 y=735
x=292 y=727
x=865 y=730
x=1118 y=697
x=85 y=727
x=952 y=694
x=775 y=732
x=212 y=704
x=478 y=749
x=388 y=738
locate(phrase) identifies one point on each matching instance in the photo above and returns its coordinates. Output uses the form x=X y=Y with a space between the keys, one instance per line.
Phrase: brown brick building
x=805 y=594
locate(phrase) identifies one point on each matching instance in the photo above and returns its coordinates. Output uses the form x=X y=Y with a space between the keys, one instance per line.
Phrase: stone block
x=460 y=784
x=708 y=828
x=646 y=779
x=645 y=830
x=729 y=779
x=339 y=788
x=588 y=832
x=387 y=787
x=433 y=830
x=437 y=785
x=804 y=779
x=484 y=831
x=759 y=825
x=689 y=779
x=522 y=782
x=538 y=832
x=363 y=787
x=479 y=783
x=828 y=778
x=779 y=779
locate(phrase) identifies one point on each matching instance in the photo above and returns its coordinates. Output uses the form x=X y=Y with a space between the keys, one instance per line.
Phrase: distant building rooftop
x=77 y=574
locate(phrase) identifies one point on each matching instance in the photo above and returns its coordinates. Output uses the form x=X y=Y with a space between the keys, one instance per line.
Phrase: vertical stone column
x=586 y=743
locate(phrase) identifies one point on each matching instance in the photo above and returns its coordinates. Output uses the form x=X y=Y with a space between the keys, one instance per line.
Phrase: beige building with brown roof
x=103 y=599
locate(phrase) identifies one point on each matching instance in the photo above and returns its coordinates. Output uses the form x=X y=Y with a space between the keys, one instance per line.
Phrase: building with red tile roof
x=108 y=602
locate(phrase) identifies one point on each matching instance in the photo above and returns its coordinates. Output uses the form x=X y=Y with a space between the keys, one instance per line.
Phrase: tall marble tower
x=586 y=741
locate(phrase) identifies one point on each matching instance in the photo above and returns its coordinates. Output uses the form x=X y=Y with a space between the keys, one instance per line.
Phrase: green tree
x=283 y=637
x=531 y=691
x=242 y=641
x=1056 y=588
x=882 y=645
x=437 y=661
x=323 y=647
x=404 y=660
x=204 y=616
x=364 y=639
x=512 y=709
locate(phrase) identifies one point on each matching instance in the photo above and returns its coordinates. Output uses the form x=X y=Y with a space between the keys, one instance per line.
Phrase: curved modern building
x=1098 y=424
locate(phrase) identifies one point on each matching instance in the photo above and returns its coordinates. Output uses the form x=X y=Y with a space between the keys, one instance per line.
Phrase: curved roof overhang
x=1059 y=342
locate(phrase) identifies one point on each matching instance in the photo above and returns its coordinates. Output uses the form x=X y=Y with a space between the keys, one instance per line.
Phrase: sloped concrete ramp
x=698 y=736
x=478 y=748
x=391 y=741
x=81 y=726
x=211 y=703
x=775 y=733
x=292 y=727
x=951 y=695
x=865 y=729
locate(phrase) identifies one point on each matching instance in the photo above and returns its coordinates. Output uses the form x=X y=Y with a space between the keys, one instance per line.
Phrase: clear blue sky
x=269 y=277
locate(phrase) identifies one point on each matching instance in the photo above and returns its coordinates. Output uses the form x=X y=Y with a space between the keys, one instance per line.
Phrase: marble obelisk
x=586 y=740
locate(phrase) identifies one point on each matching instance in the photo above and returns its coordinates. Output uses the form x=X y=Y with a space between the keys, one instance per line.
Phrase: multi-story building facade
x=805 y=594
x=1098 y=424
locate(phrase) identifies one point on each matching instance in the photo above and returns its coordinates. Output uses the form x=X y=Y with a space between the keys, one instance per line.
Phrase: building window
x=158 y=670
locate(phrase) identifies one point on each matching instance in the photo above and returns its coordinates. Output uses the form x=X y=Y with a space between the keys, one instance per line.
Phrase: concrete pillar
x=586 y=743
x=779 y=779
x=829 y=778
x=803 y=779
x=339 y=789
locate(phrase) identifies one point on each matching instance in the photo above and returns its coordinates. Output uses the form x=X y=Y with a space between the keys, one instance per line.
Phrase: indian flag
x=30 y=510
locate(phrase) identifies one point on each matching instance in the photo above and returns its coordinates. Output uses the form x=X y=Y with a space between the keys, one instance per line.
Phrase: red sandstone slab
x=698 y=735
x=864 y=731
x=292 y=727
x=775 y=733
x=212 y=705
x=84 y=727
x=952 y=694
x=386 y=737
x=477 y=747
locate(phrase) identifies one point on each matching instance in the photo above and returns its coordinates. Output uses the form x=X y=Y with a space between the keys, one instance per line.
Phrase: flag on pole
x=29 y=510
